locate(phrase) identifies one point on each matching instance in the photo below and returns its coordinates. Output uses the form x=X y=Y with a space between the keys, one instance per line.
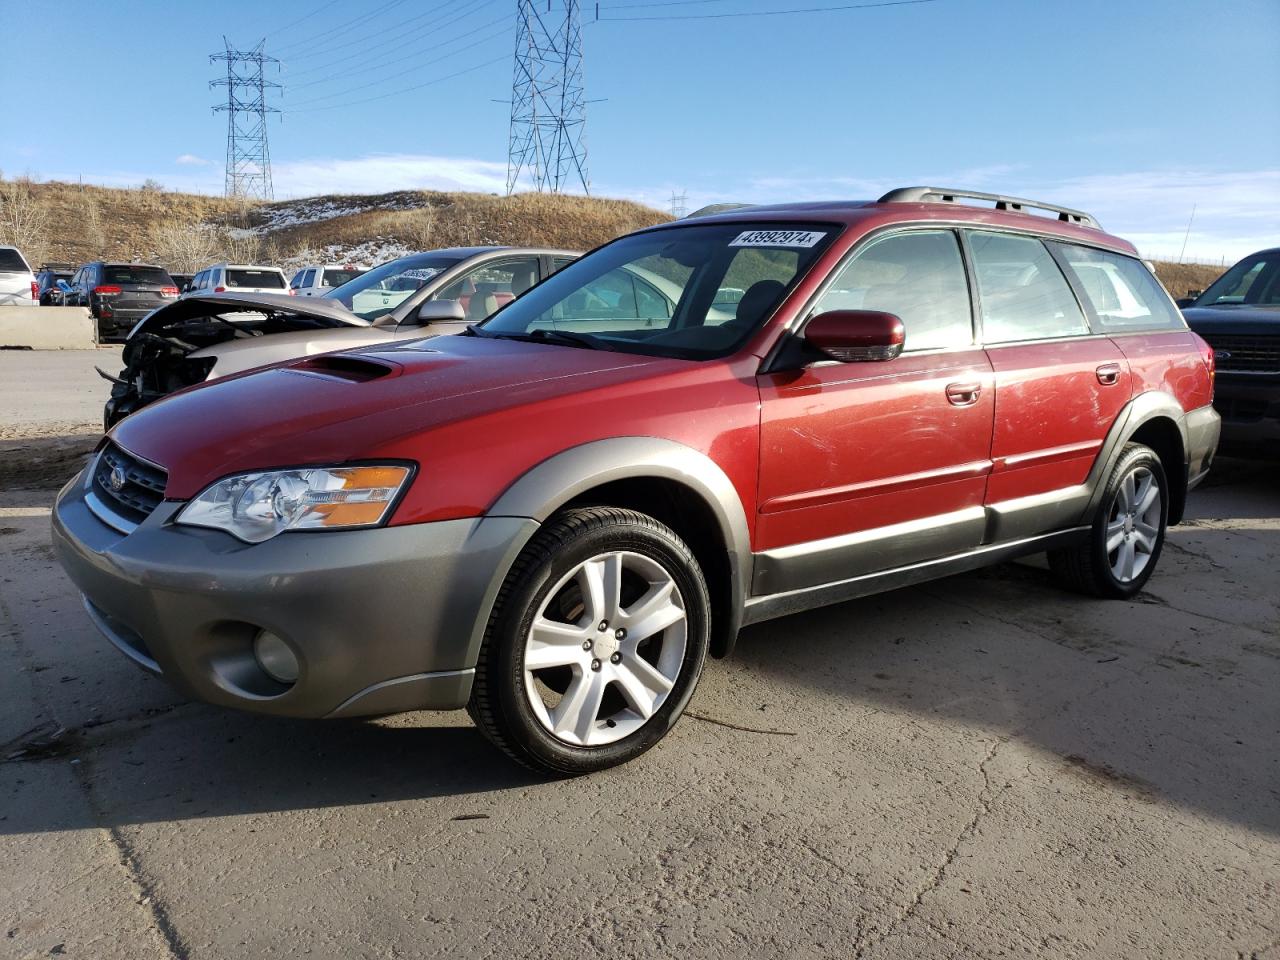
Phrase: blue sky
x=1136 y=110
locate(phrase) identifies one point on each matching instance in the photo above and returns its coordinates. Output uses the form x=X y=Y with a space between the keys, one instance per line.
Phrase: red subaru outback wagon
x=552 y=519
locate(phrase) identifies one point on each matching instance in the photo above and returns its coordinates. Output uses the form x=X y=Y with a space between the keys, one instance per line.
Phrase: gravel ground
x=983 y=766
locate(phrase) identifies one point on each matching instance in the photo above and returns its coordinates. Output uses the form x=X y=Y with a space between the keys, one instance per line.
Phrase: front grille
x=131 y=487
x=1246 y=353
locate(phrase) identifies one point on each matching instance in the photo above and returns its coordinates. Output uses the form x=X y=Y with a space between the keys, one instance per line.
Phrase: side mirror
x=434 y=311
x=853 y=335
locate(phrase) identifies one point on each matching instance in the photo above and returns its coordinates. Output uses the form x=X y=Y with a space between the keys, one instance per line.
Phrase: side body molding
x=567 y=475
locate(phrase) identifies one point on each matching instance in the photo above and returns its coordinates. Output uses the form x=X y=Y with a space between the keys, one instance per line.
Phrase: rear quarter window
x=336 y=278
x=270 y=279
x=11 y=262
x=1124 y=295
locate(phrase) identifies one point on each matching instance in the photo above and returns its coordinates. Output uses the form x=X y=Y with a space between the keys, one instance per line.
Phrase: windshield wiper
x=555 y=336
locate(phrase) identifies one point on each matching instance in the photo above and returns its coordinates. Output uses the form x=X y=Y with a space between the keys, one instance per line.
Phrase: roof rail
x=944 y=195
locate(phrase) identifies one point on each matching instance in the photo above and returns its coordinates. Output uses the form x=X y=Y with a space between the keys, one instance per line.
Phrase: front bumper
x=382 y=620
x=1250 y=408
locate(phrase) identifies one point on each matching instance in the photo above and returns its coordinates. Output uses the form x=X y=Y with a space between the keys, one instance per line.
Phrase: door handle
x=963 y=394
x=1109 y=374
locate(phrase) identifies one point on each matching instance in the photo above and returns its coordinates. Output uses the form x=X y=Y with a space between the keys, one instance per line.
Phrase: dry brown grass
x=1180 y=278
x=468 y=219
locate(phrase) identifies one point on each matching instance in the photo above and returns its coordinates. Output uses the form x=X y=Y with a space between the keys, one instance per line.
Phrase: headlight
x=257 y=506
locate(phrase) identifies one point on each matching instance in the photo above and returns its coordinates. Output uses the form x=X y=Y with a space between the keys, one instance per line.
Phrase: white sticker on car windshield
x=778 y=238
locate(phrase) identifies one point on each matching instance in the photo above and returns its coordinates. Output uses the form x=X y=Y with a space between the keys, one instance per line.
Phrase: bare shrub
x=24 y=221
x=185 y=247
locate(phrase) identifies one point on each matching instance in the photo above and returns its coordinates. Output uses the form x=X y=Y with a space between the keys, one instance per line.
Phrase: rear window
x=1122 y=291
x=132 y=274
x=11 y=261
x=272 y=279
x=336 y=278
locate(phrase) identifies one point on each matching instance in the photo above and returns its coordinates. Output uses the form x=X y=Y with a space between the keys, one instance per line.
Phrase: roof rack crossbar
x=945 y=195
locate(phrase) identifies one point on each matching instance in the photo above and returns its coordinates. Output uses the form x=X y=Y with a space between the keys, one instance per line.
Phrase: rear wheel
x=595 y=643
x=1128 y=531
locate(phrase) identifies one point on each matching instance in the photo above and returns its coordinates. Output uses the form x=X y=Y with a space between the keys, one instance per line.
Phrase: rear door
x=1058 y=384
x=873 y=465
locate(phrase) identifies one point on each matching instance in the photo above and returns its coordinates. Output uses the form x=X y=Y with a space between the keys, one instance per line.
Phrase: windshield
x=1254 y=280
x=694 y=291
x=384 y=288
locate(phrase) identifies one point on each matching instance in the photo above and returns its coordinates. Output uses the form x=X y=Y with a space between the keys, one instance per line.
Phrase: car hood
x=1242 y=318
x=380 y=402
x=198 y=305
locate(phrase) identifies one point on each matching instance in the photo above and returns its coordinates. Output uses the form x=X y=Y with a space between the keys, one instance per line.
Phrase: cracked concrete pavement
x=983 y=766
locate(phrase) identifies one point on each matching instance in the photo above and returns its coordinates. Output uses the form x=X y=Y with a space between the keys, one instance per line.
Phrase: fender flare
x=1142 y=409
x=545 y=488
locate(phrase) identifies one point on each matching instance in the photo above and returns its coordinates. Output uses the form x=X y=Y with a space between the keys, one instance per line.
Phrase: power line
x=396 y=93
x=764 y=13
x=342 y=26
x=319 y=10
x=345 y=42
x=408 y=40
x=375 y=83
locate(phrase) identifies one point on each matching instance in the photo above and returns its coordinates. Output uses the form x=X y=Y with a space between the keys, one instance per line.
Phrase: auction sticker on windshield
x=778 y=238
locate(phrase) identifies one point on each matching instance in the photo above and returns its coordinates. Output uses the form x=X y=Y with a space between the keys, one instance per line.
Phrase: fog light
x=275 y=657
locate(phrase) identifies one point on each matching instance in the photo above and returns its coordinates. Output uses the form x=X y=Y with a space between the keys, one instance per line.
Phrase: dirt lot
x=980 y=767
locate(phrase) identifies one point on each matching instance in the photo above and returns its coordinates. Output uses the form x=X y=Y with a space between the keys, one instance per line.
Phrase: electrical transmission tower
x=547 y=147
x=248 y=159
x=679 y=204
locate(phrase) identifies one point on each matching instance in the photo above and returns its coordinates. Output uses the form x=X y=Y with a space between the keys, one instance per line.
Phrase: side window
x=1024 y=295
x=492 y=285
x=919 y=277
x=559 y=263
x=296 y=282
x=308 y=278
x=1122 y=291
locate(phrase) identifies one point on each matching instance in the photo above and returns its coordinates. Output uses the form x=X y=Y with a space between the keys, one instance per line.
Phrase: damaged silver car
x=208 y=335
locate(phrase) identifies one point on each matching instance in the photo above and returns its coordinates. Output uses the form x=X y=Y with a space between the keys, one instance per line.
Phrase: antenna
x=547 y=145
x=248 y=159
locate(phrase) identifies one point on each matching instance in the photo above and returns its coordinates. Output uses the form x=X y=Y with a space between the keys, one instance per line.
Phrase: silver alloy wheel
x=1133 y=525
x=624 y=629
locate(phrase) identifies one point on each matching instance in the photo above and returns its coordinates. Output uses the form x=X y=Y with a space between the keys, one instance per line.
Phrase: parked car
x=47 y=290
x=553 y=524
x=207 y=335
x=182 y=281
x=317 y=279
x=1239 y=314
x=239 y=278
x=118 y=295
x=17 y=282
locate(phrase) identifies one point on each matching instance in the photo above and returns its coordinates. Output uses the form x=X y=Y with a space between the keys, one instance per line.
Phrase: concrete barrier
x=47 y=328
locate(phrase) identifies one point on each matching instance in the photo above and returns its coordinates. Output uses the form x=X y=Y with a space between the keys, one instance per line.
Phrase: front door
x=873 y=465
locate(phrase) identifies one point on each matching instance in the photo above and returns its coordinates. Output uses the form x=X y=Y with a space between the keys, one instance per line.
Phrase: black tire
x=499 y=704
x=1087 y=568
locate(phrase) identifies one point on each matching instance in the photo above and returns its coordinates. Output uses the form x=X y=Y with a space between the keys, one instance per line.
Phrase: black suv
x=120 y=294
x=1240 y=317
x=47 y=278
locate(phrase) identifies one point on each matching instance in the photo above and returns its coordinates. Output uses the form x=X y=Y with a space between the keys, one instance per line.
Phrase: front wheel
x=595 y=644
x=1127 y=533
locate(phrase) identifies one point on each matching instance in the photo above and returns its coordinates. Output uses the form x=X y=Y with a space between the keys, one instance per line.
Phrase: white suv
x=18 y=286
x=317 y=279
x=239 y=278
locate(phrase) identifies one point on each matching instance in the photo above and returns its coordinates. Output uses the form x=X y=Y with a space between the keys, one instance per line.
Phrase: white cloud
x=381 y=173
x=191 y=160
x=1236 y=212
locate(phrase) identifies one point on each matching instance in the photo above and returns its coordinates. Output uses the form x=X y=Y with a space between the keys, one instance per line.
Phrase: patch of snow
x=292 y=213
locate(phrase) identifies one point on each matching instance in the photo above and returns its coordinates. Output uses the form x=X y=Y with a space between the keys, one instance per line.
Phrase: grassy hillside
x=74 y=223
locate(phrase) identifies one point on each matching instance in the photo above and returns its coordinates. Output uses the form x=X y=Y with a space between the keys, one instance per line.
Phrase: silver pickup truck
x=17 y=282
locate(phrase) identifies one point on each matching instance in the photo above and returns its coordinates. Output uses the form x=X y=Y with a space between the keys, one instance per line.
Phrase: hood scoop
x=344 y=367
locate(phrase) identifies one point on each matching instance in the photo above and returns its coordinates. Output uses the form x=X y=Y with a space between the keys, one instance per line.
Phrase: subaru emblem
x=117 y=478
